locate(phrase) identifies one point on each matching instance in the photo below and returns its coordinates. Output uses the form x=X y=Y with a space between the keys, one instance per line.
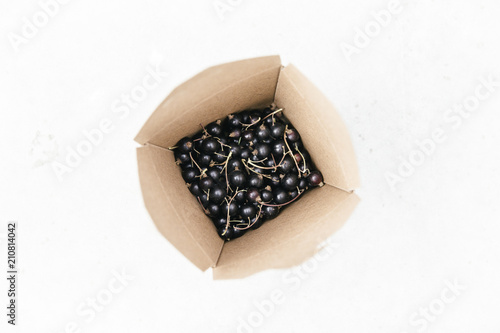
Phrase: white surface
x=394 y=255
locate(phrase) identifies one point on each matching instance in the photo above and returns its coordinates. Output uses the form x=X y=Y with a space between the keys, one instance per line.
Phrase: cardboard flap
x=290 y=238
x=210 y=95
x=322 y=130
x=175 y=212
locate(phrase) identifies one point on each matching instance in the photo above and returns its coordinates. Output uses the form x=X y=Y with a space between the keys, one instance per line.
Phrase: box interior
x=294 y=235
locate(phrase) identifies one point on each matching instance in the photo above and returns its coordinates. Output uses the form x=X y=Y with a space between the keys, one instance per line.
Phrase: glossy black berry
x=194 y=188
x=262 y=133
x=213 y=209
x=247 y=135
x=217 y=194
x=204 y=160
x=263 y=150
x=234 y=121
x=277 y=130
x=189 y=174
x=247 y=212
x=256 y=181
x=213 y=172
x=281 y=196
x=214 y=129
x=266 y=196
x=270 y=211
x=237 y=178
x=210 y=145
x=185 y=145
x=182 y=158
x=278 y=148
x=225 y=232
x=206 y=183
x=290 y=181
x=233 y=209
x=287 y=165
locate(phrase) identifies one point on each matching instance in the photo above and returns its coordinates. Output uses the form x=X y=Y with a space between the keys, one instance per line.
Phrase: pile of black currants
x=245 y=168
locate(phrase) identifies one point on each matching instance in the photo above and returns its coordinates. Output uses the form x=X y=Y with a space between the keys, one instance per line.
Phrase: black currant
x=287 y=165
x=217 y=194
x=315 y=178
x=189 y=174
x=185 y=145
x=270 y=211
x=214 y=128
x=277 y=130
x=206 y=183
x=237 y=178
x=290 y=181
x=292 y=135
x=210 y=145
x=281 y=196
x=248 y=211
x=263 y=150
x=255 y=180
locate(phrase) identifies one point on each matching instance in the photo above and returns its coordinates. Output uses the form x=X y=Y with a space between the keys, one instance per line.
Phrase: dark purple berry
x=189 y=174
x=237 y=178
x=290 y=182
x=217 y=194
x=281 y=196
x=206 y=183
x=210 y=145
x=315 y=178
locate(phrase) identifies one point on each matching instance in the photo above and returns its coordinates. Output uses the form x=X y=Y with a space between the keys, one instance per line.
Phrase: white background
x=396 y=255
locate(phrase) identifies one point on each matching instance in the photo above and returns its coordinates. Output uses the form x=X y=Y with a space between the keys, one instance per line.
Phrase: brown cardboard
x=294 y=235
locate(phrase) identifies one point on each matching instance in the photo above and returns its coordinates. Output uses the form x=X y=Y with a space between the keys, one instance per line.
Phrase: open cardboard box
x=295 y=234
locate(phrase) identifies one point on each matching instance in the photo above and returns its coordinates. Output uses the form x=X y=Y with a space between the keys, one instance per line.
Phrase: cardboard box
x=294 y=235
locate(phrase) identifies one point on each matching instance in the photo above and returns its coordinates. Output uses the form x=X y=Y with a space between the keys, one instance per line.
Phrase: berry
x=315 y=178
x=247 y=135
x=204 y=160
x=225 y=233
x=185 y=145
x=253 y=195
x=292 y=135
x=281 y=196
x=214 y=128
x=247 y=212
x=217 y=194
x=277 y=130
x=278 y=148
x=213 y=209
x=195 y=188
x=237 y=178
x=262 y=133
x=270 y=211
x=206 y=183
x=189 y=174
x=256 y=181
x=287 y=165
x=263 y=150
x=234 y=121
x=210 y=145
x=290 y=181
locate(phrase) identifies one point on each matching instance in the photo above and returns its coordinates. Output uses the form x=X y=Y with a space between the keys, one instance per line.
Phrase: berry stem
x=272 y=113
